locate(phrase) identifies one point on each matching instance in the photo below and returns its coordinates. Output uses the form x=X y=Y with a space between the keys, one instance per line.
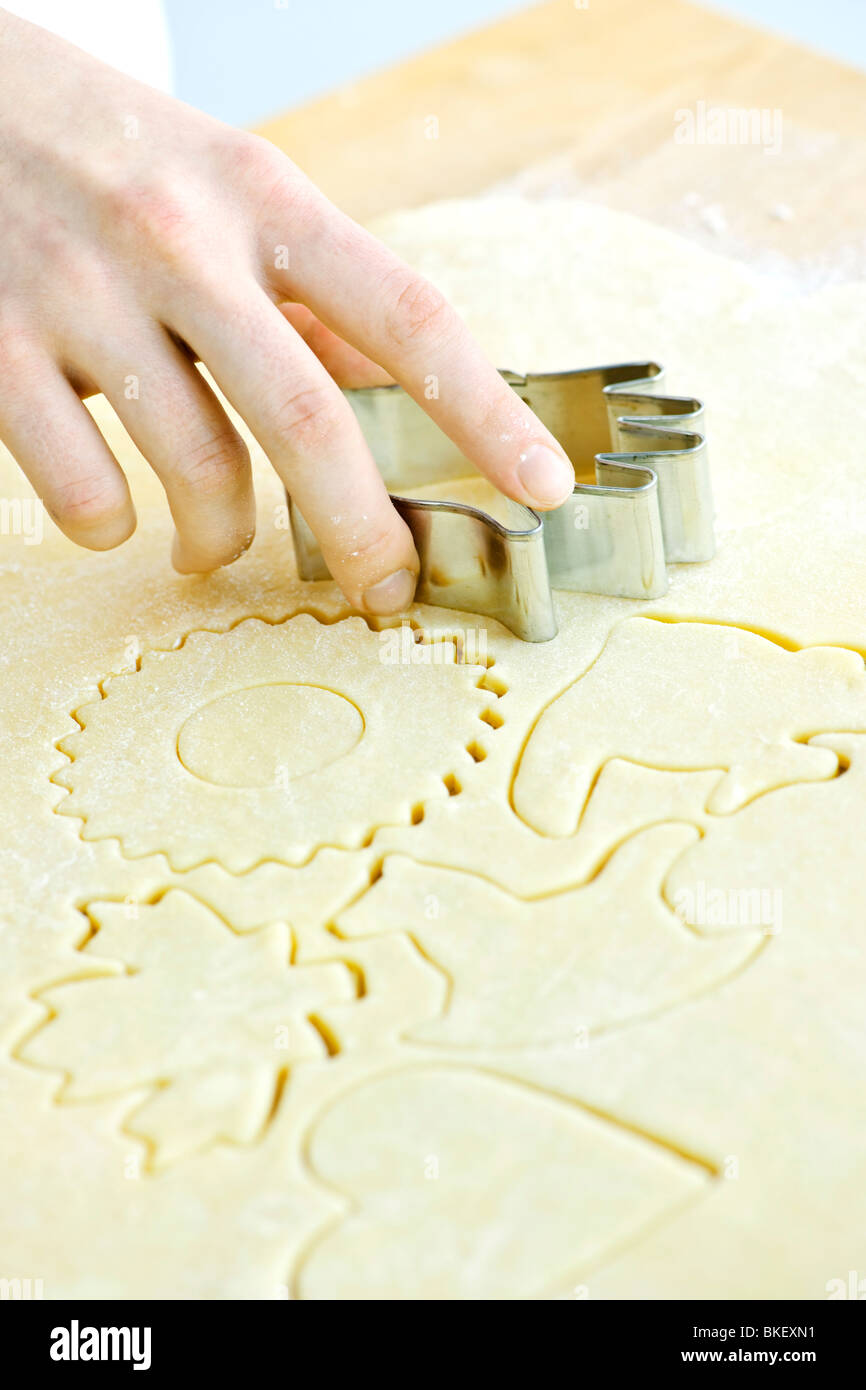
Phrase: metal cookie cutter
x=641 y=499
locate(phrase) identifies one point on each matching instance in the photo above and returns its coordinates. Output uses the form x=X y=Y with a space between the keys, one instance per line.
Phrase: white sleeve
x=133 y=38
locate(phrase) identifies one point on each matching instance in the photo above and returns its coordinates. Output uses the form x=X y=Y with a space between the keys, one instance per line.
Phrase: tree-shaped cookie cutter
x=650 y=504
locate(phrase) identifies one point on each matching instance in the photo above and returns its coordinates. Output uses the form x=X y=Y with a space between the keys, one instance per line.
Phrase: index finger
x=366 y=294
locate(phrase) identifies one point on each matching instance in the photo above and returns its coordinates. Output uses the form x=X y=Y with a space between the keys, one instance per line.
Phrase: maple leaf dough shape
x=554 y=968
x=206 y=1017
x=690 y=695
x=268 y=742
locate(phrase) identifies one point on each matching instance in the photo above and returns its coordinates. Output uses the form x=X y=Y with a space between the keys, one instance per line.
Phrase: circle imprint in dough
x=266 y=734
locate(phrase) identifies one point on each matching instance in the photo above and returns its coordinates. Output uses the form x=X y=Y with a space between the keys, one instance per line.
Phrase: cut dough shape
x=774 y=849
x=255 y=737
x=498 y=846
x=469 y=1186
x=767 y=1074
x=557 y=969
x=686 y=695
x=207 y=1018
x=81 y=1212
x=307 y=898
x=406 y=730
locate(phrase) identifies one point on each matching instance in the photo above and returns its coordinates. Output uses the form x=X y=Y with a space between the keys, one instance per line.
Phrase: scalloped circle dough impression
x=268 y=742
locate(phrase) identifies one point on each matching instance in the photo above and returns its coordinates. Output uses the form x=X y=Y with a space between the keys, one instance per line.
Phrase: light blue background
x=244 y=60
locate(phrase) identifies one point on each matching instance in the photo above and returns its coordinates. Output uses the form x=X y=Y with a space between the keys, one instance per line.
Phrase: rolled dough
x=324 y=975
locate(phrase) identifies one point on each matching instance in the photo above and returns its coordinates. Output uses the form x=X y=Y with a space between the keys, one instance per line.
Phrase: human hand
x=137 y=234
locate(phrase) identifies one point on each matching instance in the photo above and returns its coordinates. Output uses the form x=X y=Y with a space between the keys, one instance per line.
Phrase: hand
x=137 y=234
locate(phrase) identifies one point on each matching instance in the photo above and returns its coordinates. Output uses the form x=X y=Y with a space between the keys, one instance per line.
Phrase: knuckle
x=497 y=408
x=215 y=464
x=291 y=210
x=369 y=547
x=308 y=417
x=418 y=311
x=368 y=550
x=285 y=196
x=158 y=215
x=89 y=501
x=285 y=201
x=252 y=157
x=300 y=205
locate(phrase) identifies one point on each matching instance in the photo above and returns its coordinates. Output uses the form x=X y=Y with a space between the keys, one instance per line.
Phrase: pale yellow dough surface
x=539 y=973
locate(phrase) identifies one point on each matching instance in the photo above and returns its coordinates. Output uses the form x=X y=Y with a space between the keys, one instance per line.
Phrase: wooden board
x=566 y=99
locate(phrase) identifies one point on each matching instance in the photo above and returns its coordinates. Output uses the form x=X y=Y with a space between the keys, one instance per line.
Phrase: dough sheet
x=335 y=966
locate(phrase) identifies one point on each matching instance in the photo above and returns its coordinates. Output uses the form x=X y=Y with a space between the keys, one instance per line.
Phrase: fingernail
x=391 y=595
x=546 y=475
